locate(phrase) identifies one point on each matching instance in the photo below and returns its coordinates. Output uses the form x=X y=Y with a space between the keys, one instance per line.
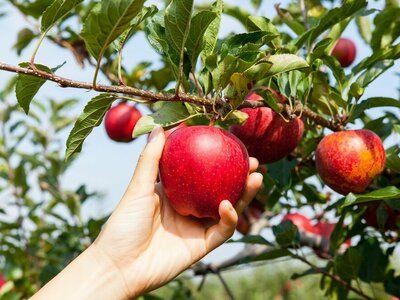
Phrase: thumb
x=146 y=171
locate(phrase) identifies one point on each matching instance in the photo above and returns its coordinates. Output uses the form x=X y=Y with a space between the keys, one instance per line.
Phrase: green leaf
x=393 y=159
x=252 y=239
x=374 y=72
x=364 y=28
x=373 y=102
x=195 y=40
x=169 y=115
x=235 y=42
x=334 y=16
x=373 y=261
x=27 y=86
x=211 y=34
x=144 y=14
x=392 y=283
x=32 y=8
x=25 y=36
x=155 y=33
x=284 y=63
x=268 y=255
x=264 y=24
x=177 y=23
x=347 y=266
x=392 y=52
x=386 y=28
x=90 y=118
x=281 y=171
x=106 y=21
x=55 y=12
x=285 y=233
x=386 y=193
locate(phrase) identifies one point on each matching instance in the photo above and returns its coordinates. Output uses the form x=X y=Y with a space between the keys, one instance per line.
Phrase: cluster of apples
x=203 y=165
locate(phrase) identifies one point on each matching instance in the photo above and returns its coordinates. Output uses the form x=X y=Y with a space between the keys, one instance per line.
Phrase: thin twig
x=227 y=289
x=333 y=277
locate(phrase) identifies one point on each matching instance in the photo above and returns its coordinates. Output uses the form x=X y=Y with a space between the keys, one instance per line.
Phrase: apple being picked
x=266 y=135
x=201 y=166
x=345 y=52
x=348 y=161
x=120 y=121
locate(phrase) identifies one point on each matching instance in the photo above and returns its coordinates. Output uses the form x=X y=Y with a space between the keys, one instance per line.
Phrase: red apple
x=348 y=161
x=371 y=218
x=266 y=135
x=345 y=52
x=120 y=121
x=200 y=166
x=2 y=280
x=302 y=222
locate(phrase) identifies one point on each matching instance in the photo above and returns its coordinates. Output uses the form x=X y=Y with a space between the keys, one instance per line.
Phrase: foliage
x=200 y=77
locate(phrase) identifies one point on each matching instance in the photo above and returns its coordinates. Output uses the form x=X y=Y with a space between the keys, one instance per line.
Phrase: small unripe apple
x=302 y=222
x=266 y=135
x=201 y=166
x=345 y=52
x=120 y=121
x=348 y=161
x=371 y=218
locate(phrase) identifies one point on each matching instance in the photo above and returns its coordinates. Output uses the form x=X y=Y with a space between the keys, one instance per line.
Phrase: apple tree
x=291 y=87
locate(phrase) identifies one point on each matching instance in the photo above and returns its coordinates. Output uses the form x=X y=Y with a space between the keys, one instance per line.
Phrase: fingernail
x=155 y=133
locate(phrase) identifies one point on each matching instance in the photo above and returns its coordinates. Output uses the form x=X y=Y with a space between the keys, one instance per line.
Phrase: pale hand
x=145 y=243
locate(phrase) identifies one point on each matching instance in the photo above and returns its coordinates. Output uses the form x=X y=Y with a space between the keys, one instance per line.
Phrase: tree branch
x=146 y=95
x=182 y=97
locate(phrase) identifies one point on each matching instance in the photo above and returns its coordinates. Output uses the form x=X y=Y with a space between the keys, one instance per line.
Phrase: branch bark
x=155 y=97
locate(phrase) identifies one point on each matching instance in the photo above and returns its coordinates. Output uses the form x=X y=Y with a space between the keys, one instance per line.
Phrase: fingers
x=253 y=163
x=147 y=167
x=253 y=184
x=224 y=229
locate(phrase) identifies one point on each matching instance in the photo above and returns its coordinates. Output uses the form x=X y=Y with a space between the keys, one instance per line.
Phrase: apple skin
x=120 y=121
x=201 y=166
x=345 y=52
x=266 y=135
x=371 y=219
x=302 y=222
x=348 y=161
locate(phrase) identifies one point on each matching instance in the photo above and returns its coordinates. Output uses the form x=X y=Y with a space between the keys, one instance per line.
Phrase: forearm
x=90 y=276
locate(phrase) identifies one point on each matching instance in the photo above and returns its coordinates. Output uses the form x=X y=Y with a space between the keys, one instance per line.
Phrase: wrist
x=92 y=275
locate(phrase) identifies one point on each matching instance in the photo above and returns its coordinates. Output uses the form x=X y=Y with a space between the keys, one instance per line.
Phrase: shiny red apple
x=201 y=166
x=302 y=222
x=266 y=135
x=348 y=161
x=345 y=52
x=120 y=121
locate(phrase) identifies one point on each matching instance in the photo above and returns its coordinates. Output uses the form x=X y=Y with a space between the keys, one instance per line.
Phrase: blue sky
x=106 y=166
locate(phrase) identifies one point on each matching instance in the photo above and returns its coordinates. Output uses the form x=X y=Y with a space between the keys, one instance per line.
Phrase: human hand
x=145 y=243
